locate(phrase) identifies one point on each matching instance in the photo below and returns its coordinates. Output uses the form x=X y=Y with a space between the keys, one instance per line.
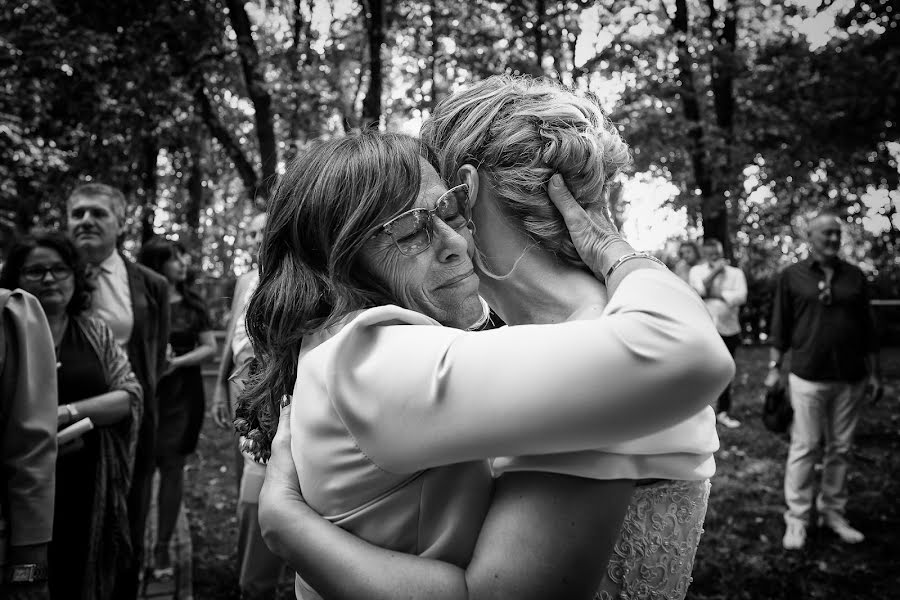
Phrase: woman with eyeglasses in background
x=90 y=526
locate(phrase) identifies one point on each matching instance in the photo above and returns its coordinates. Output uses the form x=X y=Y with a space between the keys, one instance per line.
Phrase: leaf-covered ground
x=740 y=556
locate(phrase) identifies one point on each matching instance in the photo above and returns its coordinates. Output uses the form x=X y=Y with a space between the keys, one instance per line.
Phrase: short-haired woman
x=180 y=391
x=90 y=525
x=395 y=415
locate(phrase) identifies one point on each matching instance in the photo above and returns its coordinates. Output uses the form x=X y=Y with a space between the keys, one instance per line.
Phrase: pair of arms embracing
x=545 y=535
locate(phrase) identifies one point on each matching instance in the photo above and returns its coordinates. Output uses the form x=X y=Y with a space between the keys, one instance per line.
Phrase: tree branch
x=229 y=143
x=258 y=92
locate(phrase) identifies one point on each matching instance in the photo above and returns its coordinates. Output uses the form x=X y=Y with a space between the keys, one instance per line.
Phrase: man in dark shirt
x=821 y=315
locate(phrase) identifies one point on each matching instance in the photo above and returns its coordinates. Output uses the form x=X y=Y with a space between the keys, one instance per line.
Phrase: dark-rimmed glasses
x=35 y=274
x=413 y=230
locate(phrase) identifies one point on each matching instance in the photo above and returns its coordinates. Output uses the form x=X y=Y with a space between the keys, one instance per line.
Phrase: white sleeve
x=695 y=278
x=736 y=294
x=416 y=397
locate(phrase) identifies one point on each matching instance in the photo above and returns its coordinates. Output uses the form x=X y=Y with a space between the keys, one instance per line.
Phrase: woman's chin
x=53 y=302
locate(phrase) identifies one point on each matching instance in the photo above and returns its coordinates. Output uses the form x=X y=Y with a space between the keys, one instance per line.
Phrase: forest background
x=743 y=115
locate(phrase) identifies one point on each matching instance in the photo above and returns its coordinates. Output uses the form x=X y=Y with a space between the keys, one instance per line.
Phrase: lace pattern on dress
x=654 y=555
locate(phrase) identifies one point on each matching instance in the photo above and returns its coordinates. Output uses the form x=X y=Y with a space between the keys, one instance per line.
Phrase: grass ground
x=740 y=555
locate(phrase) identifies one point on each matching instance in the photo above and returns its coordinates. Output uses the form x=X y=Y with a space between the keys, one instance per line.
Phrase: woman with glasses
x=95 y=381
x=367 y=289
x=505 y=137
x=180 y=391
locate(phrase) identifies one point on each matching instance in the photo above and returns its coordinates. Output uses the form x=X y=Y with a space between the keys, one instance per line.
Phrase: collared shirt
x=112 y=297
x=730 y=289
x=240 y=341
x=828 y=341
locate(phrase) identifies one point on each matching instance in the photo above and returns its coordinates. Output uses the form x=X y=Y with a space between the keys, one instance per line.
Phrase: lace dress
x=654 y=555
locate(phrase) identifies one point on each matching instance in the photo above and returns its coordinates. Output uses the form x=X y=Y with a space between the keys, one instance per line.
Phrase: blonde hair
x=519 y=131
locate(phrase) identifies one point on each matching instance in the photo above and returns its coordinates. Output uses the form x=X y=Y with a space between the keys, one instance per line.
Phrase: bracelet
x=630 y=256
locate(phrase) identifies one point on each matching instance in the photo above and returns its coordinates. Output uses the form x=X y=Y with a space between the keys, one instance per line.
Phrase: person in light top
x=398 y=408
x=724 y=290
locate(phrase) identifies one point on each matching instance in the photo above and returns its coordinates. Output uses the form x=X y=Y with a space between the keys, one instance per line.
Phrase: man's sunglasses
x=413 y=230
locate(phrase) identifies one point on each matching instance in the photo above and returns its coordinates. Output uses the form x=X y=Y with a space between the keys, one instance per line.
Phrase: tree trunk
x=712 y=205
x=435 y=40
x=540 y=11
x=371 y=109
x=723 y=72
x=147 y=192
x=196 y=199
x=211 y=119
x=259 y=95
x=300 y=122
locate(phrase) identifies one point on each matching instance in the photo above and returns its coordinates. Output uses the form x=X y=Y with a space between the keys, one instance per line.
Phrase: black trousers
x=731 y=342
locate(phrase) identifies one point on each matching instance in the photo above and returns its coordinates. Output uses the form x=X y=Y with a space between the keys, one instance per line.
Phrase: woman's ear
x=469 y=174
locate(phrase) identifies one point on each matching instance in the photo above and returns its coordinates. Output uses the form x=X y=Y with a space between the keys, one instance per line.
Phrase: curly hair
x=22 y=247
x=519 y=131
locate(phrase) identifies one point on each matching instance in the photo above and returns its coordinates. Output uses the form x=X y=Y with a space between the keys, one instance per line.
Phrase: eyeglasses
x=413 y=230
x=825 y=293
x=35 y=274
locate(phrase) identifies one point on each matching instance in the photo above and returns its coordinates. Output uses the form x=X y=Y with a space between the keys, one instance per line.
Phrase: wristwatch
x=774 y=364
x=25 y=573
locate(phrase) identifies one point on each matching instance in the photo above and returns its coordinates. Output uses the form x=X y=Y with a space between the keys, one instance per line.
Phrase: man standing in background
x=134 y=302
x=259 y=569
x=821 y=316
x=724 y=290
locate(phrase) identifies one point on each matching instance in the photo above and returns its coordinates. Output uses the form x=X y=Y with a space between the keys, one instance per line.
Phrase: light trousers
x=259 y=569
x=824 y=412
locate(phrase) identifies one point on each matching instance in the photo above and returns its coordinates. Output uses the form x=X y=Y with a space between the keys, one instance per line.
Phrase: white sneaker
x=727 y=421
x=841 y=528
x=794 y=536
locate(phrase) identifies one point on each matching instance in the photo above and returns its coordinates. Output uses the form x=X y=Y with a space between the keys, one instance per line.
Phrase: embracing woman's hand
x=592 y=231
x=596 y=238
x=280 y=497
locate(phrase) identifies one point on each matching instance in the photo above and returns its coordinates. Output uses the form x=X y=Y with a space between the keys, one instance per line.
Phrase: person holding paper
x=90 y=545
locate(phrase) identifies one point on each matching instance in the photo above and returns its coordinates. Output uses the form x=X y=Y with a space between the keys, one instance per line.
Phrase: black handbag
x=777 y=412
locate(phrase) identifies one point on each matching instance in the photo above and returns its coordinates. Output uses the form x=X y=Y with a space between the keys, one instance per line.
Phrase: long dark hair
x=155 y=253
x=22 y=247
x=324 y=209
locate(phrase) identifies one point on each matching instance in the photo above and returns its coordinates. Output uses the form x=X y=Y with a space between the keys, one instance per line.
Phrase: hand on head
x=591 y=229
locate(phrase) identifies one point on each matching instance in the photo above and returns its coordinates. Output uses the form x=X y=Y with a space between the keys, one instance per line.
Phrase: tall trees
x=191 y=105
